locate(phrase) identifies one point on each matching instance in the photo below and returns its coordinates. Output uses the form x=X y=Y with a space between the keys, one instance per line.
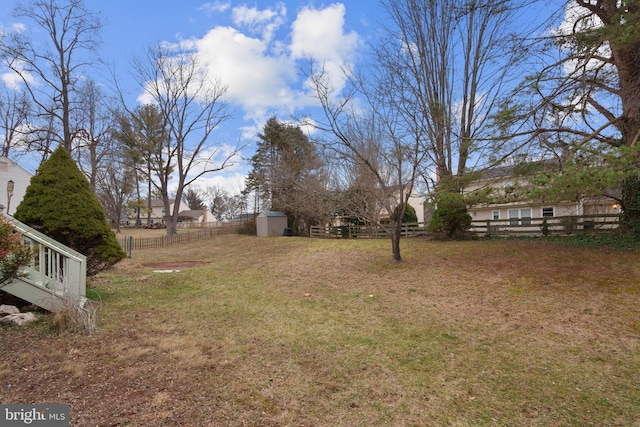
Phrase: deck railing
x=56 y=275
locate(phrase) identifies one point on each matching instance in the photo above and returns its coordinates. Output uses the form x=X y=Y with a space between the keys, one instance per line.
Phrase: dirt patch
x=174 y=264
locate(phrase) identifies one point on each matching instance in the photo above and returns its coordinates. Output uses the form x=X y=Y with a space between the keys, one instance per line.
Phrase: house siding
x=530 y=209
x=11 y=171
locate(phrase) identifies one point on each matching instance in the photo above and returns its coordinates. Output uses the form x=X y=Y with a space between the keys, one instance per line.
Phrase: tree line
x=448 y=89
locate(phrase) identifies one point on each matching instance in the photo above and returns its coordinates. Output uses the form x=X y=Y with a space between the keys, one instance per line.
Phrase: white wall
x=417 y=203
x=270 y=225
x=20 y=177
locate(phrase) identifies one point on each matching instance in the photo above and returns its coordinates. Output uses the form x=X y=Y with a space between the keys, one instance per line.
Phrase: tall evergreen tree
x=192 y=198
x=284 y=172
x=60 y=204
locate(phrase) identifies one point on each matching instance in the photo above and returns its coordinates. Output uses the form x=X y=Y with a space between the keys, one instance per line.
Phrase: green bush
x=630 y=217
x=450 y=218
x=409 y=216
x=14 y=254
x=59 y=203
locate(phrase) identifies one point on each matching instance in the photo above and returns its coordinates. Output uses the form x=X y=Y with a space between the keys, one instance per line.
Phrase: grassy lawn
x=309 y=332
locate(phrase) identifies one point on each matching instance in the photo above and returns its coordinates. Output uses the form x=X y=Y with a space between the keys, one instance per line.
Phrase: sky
x=255 y=48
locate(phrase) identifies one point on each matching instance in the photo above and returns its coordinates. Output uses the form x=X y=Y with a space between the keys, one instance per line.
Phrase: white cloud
x=12 y=79
x=264 y=22
x=233 y=183
x=256 y=79
x=215 y=7
x=319 y=33
x=578 y=18
x=259 y=61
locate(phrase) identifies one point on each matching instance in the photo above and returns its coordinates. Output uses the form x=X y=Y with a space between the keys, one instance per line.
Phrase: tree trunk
x=172 y=228
x=396 y=232
x=138 y=222
x=149 y=209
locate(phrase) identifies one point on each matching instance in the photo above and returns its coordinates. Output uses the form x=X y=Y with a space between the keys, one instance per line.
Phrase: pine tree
x=60 y=204
x=285 y=173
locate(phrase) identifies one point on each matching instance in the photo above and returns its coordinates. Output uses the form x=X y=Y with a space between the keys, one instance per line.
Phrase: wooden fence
x=557 y=225
x=366 y=232
x=130 y=243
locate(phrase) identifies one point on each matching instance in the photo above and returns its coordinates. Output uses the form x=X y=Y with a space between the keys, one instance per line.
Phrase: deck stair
x=56 y=276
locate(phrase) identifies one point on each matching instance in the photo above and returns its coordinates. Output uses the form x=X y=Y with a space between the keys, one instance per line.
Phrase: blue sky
x=255 y=48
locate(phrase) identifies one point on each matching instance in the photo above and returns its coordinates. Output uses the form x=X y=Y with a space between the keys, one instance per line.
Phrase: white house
x=157 y=212
x=509 y=210
x=14 y=181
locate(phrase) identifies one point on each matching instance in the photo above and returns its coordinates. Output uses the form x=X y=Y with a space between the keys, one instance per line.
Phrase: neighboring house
x=415 y=200
x=197 y=216
x=157 y=213
x=11 y=172
x=510 y=210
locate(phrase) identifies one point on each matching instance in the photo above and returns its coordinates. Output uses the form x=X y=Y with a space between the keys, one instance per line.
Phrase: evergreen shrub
x=59 y=203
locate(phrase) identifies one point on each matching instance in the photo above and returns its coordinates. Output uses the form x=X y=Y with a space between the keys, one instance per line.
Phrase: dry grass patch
x=292 y=331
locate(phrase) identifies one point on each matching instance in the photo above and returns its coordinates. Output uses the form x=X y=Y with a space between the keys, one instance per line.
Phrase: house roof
x=158 y=203
x=191 y=214
x=517 y=169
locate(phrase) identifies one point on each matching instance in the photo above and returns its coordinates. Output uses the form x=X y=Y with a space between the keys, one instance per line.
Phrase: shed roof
x=272 y=213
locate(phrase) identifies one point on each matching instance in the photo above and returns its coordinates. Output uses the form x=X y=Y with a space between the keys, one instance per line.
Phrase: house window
x=525 y=214
x=547 y=212
x=520 y=216
x=514 y=215
x=496 y=214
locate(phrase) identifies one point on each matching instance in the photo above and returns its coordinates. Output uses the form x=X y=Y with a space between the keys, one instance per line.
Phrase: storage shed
x=271 y=223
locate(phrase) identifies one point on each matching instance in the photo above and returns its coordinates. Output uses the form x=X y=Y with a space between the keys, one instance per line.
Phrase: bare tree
x=372 y=140
x=51 y=68
x=193 y=106
x=93 y=141
x=448 y=65
x=217 y=198
x=14 y=115
x=115 y=184
x=143 y=135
